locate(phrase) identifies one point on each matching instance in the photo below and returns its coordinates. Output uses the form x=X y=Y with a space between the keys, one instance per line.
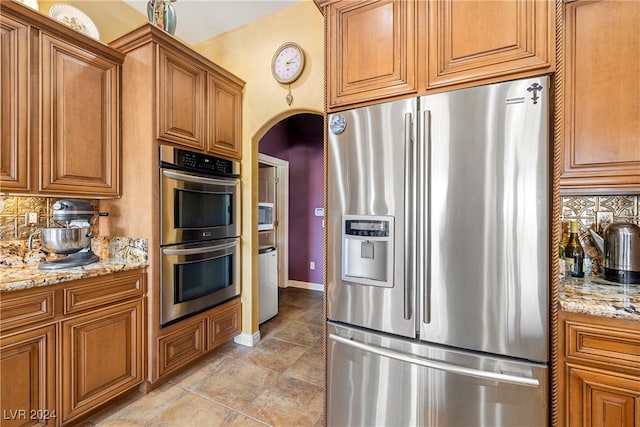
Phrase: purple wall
x=298 y=139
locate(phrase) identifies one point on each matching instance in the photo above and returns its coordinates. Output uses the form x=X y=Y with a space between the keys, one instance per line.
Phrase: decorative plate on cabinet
x=74 y=18
x=33 y=4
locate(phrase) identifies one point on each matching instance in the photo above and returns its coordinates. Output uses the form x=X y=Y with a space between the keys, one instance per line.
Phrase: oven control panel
x=198 y=162
x=204 y=162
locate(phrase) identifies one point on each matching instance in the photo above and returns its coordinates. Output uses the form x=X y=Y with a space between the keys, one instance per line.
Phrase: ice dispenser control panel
x=367 y=250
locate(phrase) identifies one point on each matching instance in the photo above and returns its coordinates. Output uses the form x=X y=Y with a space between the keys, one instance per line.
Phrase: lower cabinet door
x=181 y=346
x=102 y=357
x=27 y=387
x=224 y=324
x=600 y=398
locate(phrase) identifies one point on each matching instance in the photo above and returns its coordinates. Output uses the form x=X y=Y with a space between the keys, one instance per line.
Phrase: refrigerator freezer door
x=367 y=180
x=366 y=390
x=376 y=380
x=487 y=221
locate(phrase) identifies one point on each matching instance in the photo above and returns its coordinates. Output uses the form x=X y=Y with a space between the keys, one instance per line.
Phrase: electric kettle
x=620 y=249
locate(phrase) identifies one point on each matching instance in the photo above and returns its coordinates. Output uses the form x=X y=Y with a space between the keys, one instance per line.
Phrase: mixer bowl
x=65 y=240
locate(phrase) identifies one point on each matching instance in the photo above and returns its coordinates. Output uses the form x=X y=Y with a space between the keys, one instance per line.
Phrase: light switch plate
x=32 y=218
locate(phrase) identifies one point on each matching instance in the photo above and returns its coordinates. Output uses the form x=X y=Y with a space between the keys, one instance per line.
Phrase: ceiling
x=200 y=20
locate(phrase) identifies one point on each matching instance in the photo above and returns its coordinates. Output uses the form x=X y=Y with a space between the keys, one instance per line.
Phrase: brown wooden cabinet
x=599 y=371
x=385 y=49
x=80 y=120
x=198 y=104
x=371 y=50
x=601 y=101
x=225 y=118
x=181 y=100
x=14 y=105
x=602 y=399
x=224 y=324
x=28 y=386
x=60 y=108
x=67 y=350
x=472 y=41
x=102 y=357
x=184 y=342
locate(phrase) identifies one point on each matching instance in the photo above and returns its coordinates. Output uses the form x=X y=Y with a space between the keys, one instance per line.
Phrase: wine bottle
x=573 y=252
x=562 y=262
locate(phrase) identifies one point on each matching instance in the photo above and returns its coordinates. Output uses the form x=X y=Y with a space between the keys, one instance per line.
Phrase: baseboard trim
x=247 y=340
x=305 y=285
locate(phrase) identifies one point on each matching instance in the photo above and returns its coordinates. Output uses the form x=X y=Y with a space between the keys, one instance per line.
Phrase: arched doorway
x=292 y=150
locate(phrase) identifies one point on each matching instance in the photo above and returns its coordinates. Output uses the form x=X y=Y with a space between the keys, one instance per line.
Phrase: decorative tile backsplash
x=597 y=212
x=589 y=211
x=20 y=216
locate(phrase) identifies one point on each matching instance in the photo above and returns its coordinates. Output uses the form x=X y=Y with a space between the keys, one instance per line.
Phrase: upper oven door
x=197 y=207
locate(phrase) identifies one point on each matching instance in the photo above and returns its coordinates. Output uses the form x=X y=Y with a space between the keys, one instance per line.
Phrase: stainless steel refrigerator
x=438 y=238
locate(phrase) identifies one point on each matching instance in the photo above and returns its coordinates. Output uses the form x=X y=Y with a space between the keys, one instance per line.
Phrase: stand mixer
x=73 y=240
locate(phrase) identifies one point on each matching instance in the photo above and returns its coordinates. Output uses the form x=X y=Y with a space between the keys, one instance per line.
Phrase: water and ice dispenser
x=367 y=250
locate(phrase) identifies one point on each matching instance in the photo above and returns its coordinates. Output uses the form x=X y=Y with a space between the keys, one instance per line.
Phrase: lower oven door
x=197 y=276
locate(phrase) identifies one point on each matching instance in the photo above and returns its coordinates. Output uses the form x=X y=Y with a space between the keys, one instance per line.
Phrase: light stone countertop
x=19 y=265
x=599 y=297
x=28 y=276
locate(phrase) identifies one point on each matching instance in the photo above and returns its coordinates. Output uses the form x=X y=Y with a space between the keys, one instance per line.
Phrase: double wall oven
x=200 y=228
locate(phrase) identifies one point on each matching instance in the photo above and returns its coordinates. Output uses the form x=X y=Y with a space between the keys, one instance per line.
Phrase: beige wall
x=247 y=52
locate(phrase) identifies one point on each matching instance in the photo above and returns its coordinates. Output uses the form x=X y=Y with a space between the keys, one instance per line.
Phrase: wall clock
x=287 y=63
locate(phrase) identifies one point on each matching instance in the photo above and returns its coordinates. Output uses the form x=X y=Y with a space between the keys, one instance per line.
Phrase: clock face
x=288 y=63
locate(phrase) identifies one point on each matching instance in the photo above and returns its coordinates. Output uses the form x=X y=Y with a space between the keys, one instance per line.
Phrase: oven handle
x=201 y=180
x=195 y=251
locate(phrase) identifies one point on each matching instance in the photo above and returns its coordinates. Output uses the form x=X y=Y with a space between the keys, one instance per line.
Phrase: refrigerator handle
x=424 y=194
x=435 y=364
x=409 y=187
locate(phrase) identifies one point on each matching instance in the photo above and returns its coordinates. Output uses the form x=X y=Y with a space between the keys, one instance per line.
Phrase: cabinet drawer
x=181 y=347
x=26 y=310
x=224 y=325
x=98 y=292
x=614 y=346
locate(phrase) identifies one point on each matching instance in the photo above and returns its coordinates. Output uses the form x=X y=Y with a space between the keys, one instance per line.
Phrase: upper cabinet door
x=601 y=97
x=371 y=50
x=476 y=40
x=80 y=145
x=181 y=101
x=14 y=105
x=225 y=118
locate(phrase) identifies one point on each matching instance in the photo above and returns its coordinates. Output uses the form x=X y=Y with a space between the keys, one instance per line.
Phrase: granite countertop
x=598 y=297
x=28 y=276
x=19 y=265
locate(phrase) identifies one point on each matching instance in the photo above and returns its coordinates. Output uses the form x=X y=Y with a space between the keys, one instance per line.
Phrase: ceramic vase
x=162 y=14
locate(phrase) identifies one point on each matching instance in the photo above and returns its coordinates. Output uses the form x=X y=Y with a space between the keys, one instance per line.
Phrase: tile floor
x=279 y=382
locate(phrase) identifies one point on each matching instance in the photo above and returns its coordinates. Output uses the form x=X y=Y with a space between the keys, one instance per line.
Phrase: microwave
x=265 y=216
